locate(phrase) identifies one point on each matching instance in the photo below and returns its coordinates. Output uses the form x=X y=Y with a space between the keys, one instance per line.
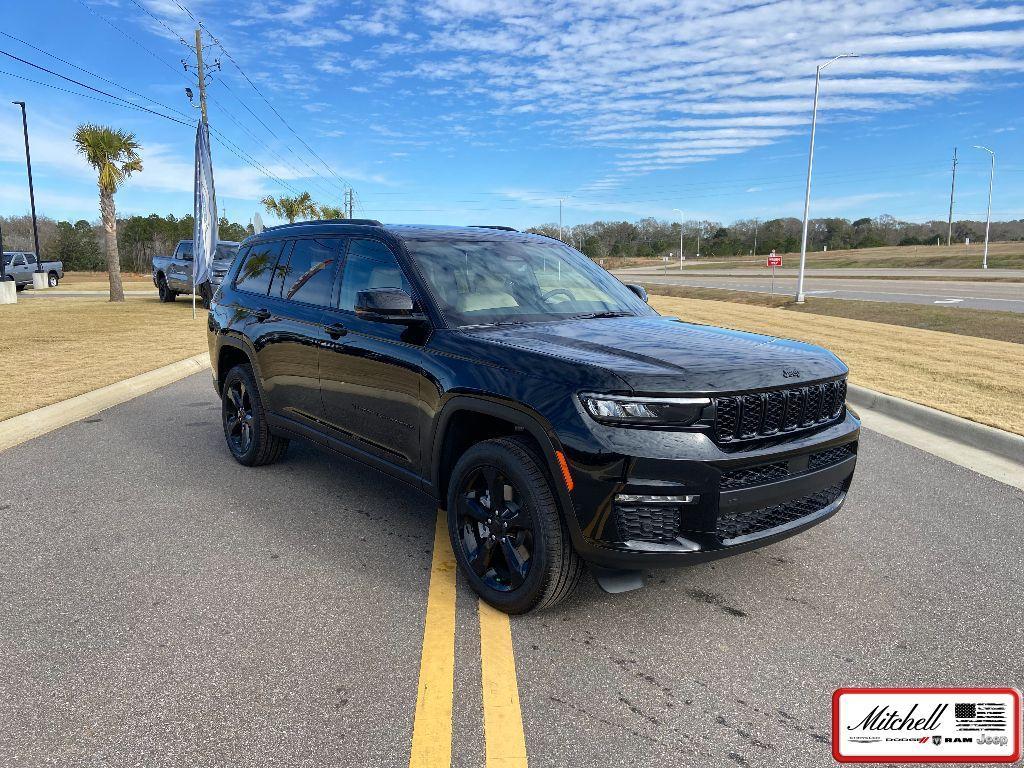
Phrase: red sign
x=773 y=260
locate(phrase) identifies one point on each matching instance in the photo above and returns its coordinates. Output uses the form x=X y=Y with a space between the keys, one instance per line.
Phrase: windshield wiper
x=595 y=315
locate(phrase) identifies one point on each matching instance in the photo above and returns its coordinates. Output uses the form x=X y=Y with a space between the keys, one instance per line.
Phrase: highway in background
x=1005 y=296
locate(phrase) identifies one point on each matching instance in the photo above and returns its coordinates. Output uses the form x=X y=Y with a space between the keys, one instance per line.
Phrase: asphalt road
x=161 y=605
x=1008 y=297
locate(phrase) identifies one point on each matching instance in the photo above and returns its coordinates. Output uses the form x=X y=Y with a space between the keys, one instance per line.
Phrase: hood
x=662 y=355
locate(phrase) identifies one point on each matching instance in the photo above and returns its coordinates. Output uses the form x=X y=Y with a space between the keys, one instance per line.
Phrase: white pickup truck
x=19 y=266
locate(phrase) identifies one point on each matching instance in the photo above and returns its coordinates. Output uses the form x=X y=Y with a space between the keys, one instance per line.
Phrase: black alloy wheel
x=245 y=422
x=238 y=417
x=507 y=531
x=495 y=531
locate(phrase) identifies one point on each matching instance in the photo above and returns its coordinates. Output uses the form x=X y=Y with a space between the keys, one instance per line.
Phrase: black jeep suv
x=557 y=417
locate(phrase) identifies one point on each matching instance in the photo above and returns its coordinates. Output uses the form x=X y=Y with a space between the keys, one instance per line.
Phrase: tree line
x=79 y=244
x=653 y=238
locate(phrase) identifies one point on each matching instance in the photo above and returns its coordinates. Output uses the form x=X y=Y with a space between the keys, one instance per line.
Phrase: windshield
x=225 y=251
x=504 y=281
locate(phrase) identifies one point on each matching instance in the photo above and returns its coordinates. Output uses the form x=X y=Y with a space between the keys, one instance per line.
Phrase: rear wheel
x=508 y=536
x=166 y=294
x=52 y=280
x=245 y=421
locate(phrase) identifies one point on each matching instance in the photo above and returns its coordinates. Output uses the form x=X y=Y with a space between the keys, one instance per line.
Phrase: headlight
x=655 y=411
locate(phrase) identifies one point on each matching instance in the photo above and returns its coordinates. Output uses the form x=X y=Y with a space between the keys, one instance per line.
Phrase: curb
x=26 y=426
x=985 y=438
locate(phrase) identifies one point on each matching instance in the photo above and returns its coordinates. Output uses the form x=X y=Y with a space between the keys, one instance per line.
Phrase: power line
x=97 y=90
x=93 y=74
x=162 y=23
x=107 y=21
x=67 y=90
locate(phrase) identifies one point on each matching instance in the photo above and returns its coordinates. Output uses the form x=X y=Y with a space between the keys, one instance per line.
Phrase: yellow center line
x=503 y=719
x=432 y=728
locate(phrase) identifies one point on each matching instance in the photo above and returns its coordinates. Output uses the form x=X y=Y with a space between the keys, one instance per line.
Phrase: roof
x=401 y=231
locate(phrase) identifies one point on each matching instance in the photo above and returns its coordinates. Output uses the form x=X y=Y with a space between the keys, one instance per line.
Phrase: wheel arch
x=232 y=352
x=483 y=419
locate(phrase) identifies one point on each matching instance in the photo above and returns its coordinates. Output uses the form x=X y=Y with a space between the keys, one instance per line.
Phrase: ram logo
x=790 y=373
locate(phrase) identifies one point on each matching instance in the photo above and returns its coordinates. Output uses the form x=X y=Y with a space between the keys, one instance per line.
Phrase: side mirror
x=387 y=305
x=639 y=290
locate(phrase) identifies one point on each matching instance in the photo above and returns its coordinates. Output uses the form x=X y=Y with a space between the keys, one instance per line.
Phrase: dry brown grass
x=97 y=281
x=53 y=349
x=978 y=379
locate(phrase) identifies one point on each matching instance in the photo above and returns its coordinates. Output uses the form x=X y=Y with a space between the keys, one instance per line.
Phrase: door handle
x=336 y=330
x=261 y=314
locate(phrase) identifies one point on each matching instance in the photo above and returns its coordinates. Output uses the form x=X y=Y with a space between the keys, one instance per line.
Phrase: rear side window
x=309 y=273
x=370 y=264
x=258 y=268
x=30 y=258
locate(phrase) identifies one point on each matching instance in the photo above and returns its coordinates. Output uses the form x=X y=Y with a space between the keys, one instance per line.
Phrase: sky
x=492 y=111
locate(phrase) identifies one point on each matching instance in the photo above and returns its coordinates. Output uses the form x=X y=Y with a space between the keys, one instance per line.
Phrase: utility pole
x=349 y=201
x=952 y=188
x=31 y=193
x=202 y=78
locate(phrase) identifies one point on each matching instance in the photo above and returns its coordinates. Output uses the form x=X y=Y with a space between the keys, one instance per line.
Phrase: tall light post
x=988 y=216
x=681 y=257
x=31 y=196
x=810 y=164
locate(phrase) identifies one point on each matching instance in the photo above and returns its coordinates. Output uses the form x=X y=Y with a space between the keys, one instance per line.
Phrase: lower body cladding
x=668 y=512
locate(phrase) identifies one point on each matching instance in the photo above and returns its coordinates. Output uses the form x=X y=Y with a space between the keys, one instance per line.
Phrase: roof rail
x=493 y=226
x=314 y=222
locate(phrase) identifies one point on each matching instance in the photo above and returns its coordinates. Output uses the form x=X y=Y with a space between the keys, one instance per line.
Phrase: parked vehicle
x=172 y=275
x=19 y=266
x=558 y=418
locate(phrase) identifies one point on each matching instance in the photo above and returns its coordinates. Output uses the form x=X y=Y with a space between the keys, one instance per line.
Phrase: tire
x=166 y=294
x=52 y=280
x=501 y=576
x=247 y=434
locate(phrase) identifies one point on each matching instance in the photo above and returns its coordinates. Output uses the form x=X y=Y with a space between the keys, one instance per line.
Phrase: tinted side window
x=258 y=268
x=184 y=251
x=370 y=264
x=309 y=274
x=30 y=258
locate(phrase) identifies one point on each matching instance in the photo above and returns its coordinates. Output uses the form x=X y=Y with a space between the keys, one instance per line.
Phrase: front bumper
x=743 y=500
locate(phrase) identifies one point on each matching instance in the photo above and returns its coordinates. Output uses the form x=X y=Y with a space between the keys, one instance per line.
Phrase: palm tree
x=330 y=212
x=115 y=156
x=291 y=208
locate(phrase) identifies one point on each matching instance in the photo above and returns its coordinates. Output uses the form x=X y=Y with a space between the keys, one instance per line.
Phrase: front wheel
x=166 y=294
x=506 y=531
x=245 y=421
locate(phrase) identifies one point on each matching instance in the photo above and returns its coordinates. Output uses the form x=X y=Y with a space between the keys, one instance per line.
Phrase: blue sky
x=489 y=111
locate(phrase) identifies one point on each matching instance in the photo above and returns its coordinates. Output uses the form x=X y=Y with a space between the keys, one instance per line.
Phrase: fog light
x=640 y=498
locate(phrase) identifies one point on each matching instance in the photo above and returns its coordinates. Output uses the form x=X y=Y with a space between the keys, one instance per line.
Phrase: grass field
x=53 y=350
x=978 y=379
x=1000 y=255
x=982 y=323
x=97 y=281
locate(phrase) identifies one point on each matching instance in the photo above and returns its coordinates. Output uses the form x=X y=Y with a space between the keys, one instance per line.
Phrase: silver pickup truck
x=172 y=275
x=19 y=266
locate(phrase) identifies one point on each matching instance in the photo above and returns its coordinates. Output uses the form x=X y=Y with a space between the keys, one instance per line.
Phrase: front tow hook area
x=614 y=581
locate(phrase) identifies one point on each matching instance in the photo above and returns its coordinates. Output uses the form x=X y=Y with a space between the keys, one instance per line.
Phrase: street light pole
x=31 y=190
x=810 y=165
x=681 y=257
x=988 y=216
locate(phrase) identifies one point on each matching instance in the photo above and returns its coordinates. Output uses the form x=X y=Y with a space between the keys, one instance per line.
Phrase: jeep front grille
x=730 y=526
x=766 y=414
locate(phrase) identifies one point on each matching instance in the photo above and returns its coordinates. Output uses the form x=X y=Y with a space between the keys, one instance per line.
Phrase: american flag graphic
x=980 y=716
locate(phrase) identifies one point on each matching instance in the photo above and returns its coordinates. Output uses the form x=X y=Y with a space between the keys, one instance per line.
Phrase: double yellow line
x=504 y=741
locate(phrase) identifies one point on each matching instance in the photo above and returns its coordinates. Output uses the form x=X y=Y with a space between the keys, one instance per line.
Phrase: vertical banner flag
x=204 y=235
